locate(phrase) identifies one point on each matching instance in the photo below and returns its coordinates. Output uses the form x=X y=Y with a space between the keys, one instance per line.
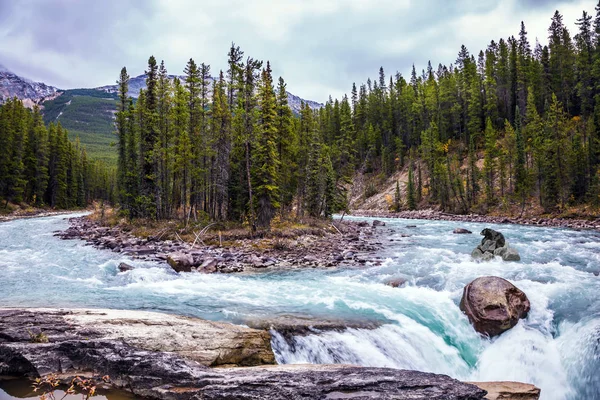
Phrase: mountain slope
x=87 y=113
x=139 y=82
x=12 y=85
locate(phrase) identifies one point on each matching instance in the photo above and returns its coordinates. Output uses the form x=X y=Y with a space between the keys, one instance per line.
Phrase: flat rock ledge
x=206 y=342
x=158 y=356
x=509 y=390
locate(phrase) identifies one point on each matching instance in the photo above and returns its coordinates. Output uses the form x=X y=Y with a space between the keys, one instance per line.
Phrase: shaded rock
x=511 y=254
x=508 y=253
x=477 y=253
x=206 y=342
x=377 y=223
x=488 y=246
x=208 y=266
x=493 y=305
x=123 y=267
x=461 y=231
x=509 y=390
x=395 y=282
x=300 y=325
x=180 y=262
x=411 y=226
x=363 y=224
x=494 y=236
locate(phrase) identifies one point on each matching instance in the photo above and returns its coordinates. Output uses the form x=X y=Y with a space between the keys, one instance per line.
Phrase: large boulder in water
x=181 y=262
x=493 y=305
x=494 y=244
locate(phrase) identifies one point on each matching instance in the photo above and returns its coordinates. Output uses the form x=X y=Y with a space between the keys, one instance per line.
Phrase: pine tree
x=265 y=157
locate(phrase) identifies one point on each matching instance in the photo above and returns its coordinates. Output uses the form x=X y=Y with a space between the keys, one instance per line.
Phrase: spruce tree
x=265 y=158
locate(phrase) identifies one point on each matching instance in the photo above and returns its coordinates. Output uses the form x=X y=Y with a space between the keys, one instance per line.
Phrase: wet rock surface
x=76 y=346
x=509 y=390
x=493 y=305
x=348 y=244
x=206 y=342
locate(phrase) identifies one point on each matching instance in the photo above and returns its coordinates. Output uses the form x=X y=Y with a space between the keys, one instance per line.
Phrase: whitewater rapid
x=419 y=326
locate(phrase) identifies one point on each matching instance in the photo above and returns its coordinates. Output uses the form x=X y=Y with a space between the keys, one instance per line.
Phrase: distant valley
x=86 y=113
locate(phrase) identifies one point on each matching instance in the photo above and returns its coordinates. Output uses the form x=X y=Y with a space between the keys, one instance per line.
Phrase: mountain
x=12 y=85
x=139 y=82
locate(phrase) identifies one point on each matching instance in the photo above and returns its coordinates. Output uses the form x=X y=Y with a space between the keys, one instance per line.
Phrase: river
x=421 y=327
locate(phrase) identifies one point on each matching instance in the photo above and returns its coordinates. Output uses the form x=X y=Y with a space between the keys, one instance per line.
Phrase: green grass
x=89 y=115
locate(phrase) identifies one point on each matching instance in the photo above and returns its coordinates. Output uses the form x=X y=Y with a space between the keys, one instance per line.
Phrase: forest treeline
x=227 y=148
x=531 y=113
x=41 y=167
x=514 y=124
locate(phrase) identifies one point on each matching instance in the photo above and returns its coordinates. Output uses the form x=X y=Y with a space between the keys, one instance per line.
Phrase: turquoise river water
x=557 y=347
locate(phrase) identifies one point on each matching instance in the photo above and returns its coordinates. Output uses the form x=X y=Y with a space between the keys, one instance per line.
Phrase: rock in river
x=124 y=267
x=494 y=244
x=493 y=305
x=461 y=231
x=181 y=262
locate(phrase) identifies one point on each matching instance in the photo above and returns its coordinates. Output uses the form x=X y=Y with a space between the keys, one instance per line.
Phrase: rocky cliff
x=12 y=85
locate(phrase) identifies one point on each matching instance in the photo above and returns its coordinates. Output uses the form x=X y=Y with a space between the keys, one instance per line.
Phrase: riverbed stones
x=323 y=246
x=377 y=223
x=494 y=244
x=493 y=305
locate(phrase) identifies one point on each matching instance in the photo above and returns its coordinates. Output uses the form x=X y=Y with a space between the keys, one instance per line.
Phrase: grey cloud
x=85 y=43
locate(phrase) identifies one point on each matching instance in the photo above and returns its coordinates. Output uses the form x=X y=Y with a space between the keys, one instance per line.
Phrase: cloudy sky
x=319 y=46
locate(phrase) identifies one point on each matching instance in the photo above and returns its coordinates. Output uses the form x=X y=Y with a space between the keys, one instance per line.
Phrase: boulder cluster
x=493 y=244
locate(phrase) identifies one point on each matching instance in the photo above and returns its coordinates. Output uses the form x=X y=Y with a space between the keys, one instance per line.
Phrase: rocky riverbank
x=344 y=243
x=32 y=213
x=158 y=356
x=441 y=216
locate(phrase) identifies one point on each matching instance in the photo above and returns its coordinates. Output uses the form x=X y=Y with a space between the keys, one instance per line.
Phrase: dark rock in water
x=180 y=262
x=157 y=372
x=123 y=267
x=411 y=226
x=494 y=244
x=462 y=231
x=493 y=305
x=494 y=236
x=395 y=282
x=377 y=223
x=363 y=224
